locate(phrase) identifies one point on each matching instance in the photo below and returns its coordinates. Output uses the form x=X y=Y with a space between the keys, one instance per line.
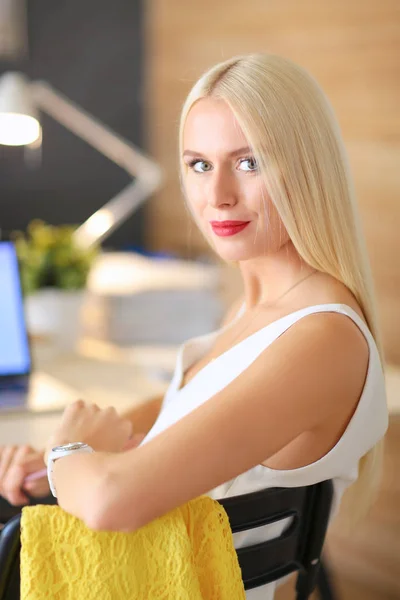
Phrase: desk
x=112 y=376
x=99 y=373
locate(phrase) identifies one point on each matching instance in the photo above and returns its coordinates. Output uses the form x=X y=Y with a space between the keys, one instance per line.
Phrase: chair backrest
x=298 y=548
x=7 y=511
x=10 y=547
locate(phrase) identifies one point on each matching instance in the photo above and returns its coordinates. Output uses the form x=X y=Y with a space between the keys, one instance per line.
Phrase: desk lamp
x=20 y=100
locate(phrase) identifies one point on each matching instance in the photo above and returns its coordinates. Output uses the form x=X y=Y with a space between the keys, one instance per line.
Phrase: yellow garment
x=187 y=554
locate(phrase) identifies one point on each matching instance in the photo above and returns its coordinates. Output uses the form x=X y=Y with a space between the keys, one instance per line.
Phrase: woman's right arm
x=16 y=462
x=144 y=416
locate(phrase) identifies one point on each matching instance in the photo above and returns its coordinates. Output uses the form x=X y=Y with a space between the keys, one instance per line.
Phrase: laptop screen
x=14 y=346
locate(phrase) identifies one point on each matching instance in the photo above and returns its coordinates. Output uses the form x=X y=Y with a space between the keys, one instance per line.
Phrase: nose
x=221 y=190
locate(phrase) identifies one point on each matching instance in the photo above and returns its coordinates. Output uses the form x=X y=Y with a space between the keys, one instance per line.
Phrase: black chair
x=10 y=545
x=297 y=549
x=8 y=511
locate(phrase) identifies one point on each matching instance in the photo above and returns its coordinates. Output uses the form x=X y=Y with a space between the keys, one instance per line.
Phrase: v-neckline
x=210 y=336
x=180 y=372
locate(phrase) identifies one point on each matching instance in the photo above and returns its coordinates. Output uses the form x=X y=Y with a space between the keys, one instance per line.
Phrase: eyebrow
x=243 y=150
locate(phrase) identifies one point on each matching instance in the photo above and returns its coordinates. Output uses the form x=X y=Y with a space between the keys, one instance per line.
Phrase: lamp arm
x=146 y=173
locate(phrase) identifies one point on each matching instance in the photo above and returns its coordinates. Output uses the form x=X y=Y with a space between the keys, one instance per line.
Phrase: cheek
x=259 y=201
x=195 y=195
x=257 y=198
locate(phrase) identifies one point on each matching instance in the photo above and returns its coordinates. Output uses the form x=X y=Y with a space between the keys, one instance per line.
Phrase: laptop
x=22 y=390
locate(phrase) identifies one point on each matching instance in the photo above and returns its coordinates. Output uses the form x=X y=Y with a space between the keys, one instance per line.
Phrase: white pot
x=55 y=313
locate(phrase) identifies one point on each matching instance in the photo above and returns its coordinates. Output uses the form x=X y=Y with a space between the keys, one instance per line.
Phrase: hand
x=103 y=429
x=134 y=441
x=16 y=462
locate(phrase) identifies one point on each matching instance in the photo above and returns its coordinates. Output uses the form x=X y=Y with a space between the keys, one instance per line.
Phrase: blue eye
x=194 y=165
x=251 y=162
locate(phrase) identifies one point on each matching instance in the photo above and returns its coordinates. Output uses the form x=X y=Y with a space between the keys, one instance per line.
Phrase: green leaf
x=48 y=256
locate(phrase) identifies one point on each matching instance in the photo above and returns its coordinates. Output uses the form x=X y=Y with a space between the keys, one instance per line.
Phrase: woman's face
x=224 y=187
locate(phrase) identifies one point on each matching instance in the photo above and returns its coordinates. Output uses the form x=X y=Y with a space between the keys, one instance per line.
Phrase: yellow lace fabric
x=187 y=554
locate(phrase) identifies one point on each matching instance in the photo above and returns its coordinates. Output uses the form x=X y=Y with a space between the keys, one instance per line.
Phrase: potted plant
x=54 y=270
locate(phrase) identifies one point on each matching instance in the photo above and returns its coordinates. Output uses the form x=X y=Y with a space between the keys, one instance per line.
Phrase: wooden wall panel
x=351 y=47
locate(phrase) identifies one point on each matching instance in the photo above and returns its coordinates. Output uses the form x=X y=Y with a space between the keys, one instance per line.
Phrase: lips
x=227 y=228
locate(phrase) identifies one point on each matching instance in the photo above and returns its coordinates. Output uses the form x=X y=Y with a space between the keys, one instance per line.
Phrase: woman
x=290 y=391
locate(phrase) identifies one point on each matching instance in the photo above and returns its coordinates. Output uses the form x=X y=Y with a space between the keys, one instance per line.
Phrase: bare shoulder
x=334 y=332
x=330 y=343
x=322 y=355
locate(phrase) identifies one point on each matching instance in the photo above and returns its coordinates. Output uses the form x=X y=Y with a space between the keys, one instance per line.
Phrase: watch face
x=73 y=446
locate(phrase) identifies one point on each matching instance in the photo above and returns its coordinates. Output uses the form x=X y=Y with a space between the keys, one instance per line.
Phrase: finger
x=38 y=488
x=17 y=464
x=16 y=498
x=134 y=441
x=75 y=406
x=12 y=486
x=5 y=461
x=34 y=464
x=128 y=427
x=22 y=455
x=25 y=455
x=23 y=451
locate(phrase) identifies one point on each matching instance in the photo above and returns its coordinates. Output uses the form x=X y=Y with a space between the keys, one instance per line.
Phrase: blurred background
x=93 y=53
x=351 y=47
x=130 y=64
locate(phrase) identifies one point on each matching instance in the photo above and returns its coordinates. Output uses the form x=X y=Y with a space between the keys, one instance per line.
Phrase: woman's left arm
x=305 y=379
x=79 y=478
x=79 y=481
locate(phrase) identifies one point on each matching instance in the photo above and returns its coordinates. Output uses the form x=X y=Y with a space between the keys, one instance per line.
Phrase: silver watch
x=60 y=451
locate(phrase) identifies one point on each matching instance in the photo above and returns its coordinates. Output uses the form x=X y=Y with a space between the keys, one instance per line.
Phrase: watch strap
x=53 y=457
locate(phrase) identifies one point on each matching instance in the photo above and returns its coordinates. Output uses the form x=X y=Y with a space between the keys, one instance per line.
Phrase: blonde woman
x=290 y=391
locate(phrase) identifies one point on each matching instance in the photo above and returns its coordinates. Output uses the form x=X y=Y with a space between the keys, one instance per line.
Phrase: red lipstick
x=226 y=228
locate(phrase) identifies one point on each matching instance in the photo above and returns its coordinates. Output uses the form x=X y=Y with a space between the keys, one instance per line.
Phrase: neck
x=266 y=278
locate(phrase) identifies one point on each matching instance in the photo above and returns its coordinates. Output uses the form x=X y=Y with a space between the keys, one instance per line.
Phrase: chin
x=235 y=254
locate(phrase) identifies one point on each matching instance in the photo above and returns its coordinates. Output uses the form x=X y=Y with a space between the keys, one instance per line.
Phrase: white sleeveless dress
x=367 y=426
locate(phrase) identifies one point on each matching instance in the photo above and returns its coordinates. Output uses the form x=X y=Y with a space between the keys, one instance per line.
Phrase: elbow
x=110 y=510
x=107 y=521
x=95 y=522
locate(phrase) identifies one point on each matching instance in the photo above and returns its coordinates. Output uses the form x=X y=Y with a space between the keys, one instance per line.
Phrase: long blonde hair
x=292 y=129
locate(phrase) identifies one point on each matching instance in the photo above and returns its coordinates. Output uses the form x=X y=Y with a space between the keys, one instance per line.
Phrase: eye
x=250 y=163
x=200 y=166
